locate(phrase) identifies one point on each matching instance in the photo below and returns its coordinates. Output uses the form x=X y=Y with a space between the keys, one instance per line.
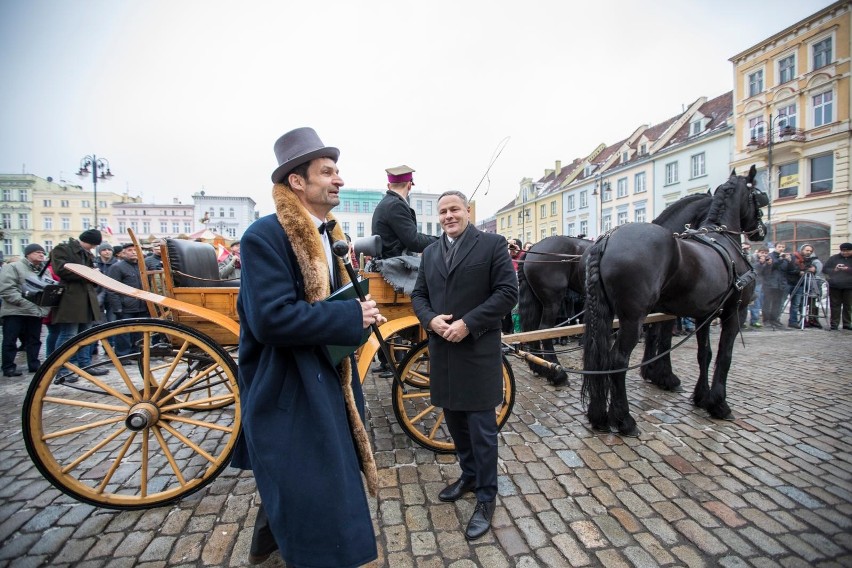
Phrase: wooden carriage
x=162 y=421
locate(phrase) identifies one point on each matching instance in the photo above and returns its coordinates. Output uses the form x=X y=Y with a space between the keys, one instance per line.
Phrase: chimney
x=558 y=167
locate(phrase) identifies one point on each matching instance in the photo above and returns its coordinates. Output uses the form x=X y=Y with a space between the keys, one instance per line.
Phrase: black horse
x=556 y=265
x=639 y=268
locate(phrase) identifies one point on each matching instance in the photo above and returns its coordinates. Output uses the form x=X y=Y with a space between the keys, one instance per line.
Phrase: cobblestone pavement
x=773 y=488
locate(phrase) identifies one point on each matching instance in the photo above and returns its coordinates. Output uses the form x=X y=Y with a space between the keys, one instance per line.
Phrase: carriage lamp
x=98 y=166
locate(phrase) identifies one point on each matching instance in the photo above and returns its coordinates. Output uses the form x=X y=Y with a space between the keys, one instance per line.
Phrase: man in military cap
x=395 y=221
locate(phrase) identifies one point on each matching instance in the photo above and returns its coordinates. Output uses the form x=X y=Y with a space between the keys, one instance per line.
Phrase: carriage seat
x=194 y=264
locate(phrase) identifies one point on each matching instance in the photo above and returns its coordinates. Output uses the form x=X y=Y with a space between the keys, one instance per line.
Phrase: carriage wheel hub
x=142 y=415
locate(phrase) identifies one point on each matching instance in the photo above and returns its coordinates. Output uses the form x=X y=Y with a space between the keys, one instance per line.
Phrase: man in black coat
x=126 y=271
x=465 y=286
x=395 y=221
x=838 y=271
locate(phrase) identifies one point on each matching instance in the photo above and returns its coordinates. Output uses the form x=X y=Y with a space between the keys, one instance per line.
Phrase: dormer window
x=643 y=149
x=624 y=156
x=696 y=127
x=587 y=171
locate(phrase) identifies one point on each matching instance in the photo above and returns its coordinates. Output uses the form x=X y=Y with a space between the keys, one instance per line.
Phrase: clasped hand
x=452 y=332
x=370 y=313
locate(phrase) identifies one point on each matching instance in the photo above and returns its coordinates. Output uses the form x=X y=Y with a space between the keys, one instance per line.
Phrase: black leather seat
x=194 y=264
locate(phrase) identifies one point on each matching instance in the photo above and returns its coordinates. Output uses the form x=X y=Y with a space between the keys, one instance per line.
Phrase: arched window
x=796 y=233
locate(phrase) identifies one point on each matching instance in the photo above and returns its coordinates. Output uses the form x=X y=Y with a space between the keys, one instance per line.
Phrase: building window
x=346 y=206
x=360 y=229
x=356 y=206
x=187 y=228
x=87 y=224
x=86 y=204
x=553 y=208
x=786 y=69
x=822 y=53
x=6 y=220
x=796 y=233
x=146 y=227
x=221 y=212
x=346 y=227
x=23 y=195
x=584 y=198
x=7 y=194
x=671 y=173
x=695 y=127
x=697 y=166
x=231 y=213
x=607 y=191
x=508 y=220
x=639 y=215
x=621 y=187
x=164 y=227
x=418 y=206
x=643 y=149
x=175 y=227
x=822 y=108
x=122 y=227
x=584 y=228
x=755 y=83
x=7 y=247
x=822 y=173
x=135 y=226
x=543 y=211
x=622 y=217
x=47 y=203
x=756 y=128
x=102 y=222
x=428 y=227
x=429 y=208
x=786 y=118
x=66 y=223
x=48 y=246
x=542 y=234
x=47 y=223
x=624 y=156
x=102 y=204
x=639 y=183
x=570 y=203
x=788 y=180
x=606 y=223
x=64 y=204
x=23 y=220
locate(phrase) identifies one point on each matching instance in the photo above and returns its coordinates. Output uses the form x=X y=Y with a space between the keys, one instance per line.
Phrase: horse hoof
x=602 y=429
x=676 y=388
x=633 y=433
x=561 y=379
x=729 y=417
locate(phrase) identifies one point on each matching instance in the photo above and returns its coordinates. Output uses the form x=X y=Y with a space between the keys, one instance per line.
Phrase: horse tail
x=596 y=349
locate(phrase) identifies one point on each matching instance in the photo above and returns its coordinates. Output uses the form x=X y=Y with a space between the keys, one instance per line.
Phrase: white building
x=226 y=215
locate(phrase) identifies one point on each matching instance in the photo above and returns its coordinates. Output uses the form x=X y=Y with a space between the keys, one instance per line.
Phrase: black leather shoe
x=65 y=378
x=386 y=374
x=262 y=542
x=480 y=521
x=15 y=373
x=97 y=372
x=454 y=491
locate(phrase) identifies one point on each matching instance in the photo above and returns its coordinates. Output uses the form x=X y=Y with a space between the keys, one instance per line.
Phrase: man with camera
x=772 y=268
x=837 y=272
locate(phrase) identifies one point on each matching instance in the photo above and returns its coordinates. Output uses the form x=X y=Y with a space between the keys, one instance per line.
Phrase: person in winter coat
x=772 y=269
x=126 y=271
x=302 y=413
x=465 y=286
x=838 y=271
x=21 y=317
x=79 y=308
x=395 y=221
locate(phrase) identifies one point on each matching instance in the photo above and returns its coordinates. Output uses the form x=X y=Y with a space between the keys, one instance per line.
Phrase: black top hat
x=297 y=147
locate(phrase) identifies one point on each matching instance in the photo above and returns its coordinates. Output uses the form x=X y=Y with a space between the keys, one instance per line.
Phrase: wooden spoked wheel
x=160 y=424
x=412 y=405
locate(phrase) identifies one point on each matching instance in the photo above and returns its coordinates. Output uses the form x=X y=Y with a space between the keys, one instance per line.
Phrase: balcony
x=781 y=135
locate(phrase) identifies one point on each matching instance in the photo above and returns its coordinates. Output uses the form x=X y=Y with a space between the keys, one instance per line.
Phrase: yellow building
x=792 y=114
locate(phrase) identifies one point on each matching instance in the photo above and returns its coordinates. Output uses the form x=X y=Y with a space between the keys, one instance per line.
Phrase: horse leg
x=715 y=401
x=619 y=409
x=705 y=355
x=651 y=370
x=548 y=319
x=666 y=379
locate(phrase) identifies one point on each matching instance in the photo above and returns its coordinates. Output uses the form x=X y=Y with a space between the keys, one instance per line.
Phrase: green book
x=338 y=352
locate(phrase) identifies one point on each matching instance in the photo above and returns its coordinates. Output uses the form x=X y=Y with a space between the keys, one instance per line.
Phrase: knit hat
x=104 y=246
x=91 y=237
x=33 y=247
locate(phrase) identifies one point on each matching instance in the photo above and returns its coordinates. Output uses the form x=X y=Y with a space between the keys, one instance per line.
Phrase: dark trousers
x=475 y=437
x=839 y=300
x=28 y=329
x=125 y=343
x=772 y=299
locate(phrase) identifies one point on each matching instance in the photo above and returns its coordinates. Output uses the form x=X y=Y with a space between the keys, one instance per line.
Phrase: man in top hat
x=302 y=413
x=79 y=307
x=21 y=318
x=395 y=221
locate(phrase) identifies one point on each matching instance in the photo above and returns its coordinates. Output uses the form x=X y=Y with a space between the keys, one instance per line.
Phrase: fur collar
x=306 y=243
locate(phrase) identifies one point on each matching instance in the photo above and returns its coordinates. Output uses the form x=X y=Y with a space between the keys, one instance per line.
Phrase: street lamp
x=604 y=187
x=98 y=165
x=755 y=143
x=523 y=215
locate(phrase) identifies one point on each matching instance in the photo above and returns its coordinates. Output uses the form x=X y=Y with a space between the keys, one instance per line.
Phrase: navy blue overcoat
x=295 y=433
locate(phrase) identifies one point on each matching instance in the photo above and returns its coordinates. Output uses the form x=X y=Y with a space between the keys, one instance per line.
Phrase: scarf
x=306 y=243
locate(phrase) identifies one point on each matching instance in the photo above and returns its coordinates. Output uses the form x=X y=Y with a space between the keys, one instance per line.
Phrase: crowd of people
x=792 y=282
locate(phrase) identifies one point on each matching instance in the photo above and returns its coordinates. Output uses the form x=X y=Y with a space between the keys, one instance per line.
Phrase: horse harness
x=737 y=281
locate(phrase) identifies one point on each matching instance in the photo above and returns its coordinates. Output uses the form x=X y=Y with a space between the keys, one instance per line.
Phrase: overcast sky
x=182 y=95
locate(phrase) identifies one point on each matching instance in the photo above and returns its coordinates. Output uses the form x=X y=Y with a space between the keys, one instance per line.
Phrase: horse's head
x=737 y=203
